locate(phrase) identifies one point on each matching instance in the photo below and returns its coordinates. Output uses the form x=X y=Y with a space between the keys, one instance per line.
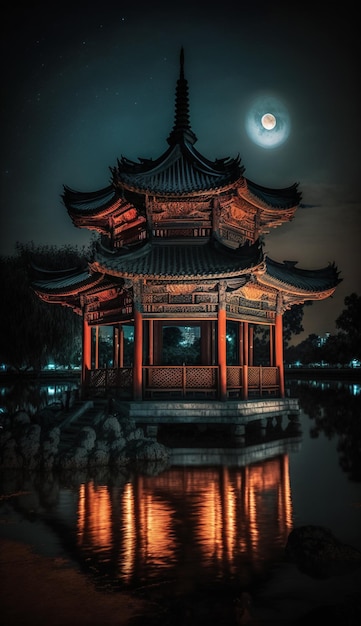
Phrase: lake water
x=219 y=513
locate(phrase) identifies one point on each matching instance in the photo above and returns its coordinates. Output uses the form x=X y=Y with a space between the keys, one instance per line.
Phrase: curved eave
x=287 y=198
x=308 y=283
x=177 y=262
x=71 y=285
x=180 y=170
x=91 y=204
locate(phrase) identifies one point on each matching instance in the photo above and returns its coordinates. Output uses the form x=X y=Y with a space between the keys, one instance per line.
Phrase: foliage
x=340 y=348
x=36 y=332
x=349 y=322
x=175 y=352
x=292 y=325
x=292 y=321
x=306 y=352
x=20 y=315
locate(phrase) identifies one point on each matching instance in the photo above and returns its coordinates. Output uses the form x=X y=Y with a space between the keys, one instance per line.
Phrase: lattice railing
x=185 y=380
x=263 y=379
x=234 y=377
x=164 y=377
x=120 y=379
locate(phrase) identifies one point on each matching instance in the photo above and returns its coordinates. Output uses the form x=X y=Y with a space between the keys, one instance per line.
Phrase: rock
x=111 y=427
x=21 y=417
x=318 y=553
x=87 y=438
x=114 y=441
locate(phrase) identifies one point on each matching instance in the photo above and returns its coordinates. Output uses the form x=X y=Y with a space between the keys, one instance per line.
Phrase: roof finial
x=182 y=128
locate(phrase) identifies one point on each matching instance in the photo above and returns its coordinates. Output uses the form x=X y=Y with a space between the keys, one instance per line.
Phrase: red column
x=138 y=355
x=251 y=345
x=245 y=360
x=279 y=351
x=222 y=353
x=86 y=351
x=245 y=343
x=151 y=342
x=271 y=345
x=96 y=356
x=240 y=344
x=222 y=341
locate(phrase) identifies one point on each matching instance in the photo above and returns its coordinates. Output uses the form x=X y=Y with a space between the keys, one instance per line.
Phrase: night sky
x=84 y=85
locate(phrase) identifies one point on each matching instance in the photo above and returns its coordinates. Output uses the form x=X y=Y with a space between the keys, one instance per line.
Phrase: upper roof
x=151 y=206
x=180 y=171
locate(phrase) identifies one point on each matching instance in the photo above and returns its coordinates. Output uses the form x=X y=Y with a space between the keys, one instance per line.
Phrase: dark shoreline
x=342 y=373
x=351 y=374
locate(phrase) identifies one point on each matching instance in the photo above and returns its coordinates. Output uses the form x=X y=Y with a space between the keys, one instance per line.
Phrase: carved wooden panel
x=170 y=210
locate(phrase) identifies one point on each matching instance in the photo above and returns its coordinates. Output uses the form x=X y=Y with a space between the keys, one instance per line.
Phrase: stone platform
x=150 y=414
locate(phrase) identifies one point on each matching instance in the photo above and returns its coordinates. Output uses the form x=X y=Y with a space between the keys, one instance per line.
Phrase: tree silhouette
x=34 y=332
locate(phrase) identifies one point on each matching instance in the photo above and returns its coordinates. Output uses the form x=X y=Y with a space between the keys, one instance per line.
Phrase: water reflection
x=205 y=523
x=217 y=514
x=188 y=525
x=334 y=408
x=24 y=395
x=350 y=388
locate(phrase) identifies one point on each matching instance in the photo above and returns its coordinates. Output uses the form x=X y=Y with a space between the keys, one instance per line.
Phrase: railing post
x=138 y=355
x=279 y=352
x=86 y=352
x=245 y=382
x=222 y=341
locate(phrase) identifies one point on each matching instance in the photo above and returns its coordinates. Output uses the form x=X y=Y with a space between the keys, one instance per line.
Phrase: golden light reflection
x=223 y=515
x=126 y=563
x=94 y=515
x=155 y=530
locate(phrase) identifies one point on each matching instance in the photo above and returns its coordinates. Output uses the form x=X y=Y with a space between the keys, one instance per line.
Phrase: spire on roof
x=182 y=128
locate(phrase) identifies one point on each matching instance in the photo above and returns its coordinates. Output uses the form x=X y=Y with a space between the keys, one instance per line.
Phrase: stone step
x=85 y=414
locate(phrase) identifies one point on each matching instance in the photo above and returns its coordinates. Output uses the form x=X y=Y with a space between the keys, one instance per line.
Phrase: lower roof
x=160 y=258
x=192 y=260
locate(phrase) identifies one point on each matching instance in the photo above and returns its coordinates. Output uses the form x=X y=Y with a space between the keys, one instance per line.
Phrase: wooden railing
x=182 y=381
x=104 y=380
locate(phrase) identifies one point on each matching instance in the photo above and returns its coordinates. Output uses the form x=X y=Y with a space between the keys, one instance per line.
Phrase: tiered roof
x=183 y=217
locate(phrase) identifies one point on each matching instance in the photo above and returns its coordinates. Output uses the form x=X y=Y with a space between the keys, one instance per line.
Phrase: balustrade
x=185 y=381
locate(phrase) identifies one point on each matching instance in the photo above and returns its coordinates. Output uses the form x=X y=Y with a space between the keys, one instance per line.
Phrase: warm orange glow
x=210 y=521
x=285 y=504
x=94 y=515
x=81 y=513
x=156 y=530
x=233 y=512
x=126 y=562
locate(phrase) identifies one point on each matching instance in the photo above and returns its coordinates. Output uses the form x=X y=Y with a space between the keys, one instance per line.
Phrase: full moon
x=267 y=122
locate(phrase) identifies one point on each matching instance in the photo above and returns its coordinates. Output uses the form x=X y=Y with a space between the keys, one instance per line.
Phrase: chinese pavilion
x=180 y=250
